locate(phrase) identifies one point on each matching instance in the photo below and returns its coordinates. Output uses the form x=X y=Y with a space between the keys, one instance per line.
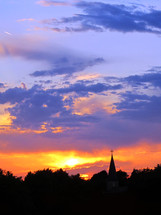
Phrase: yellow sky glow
x=140 y=156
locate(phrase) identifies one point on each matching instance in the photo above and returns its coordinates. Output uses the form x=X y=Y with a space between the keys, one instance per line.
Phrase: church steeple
x=112 y=169
x=112 y=183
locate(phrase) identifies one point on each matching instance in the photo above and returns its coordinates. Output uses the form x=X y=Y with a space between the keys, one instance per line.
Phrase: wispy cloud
x=60 y=61
x=8 y=33
x=68 y=67
x=53 y=3
x=26 y=19
x=46 y=28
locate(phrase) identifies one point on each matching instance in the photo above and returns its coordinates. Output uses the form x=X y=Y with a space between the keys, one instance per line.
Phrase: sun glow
x=72 y=162
x=85 y=176
x=5 y=119
x=84 y=163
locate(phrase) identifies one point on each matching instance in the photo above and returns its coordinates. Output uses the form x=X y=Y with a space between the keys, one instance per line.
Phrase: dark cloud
x=68 y=119
x=14 y=95
x=2 y=85
x=82 y=89
x=32 y=107
x=67 y=67
x=99 y=16
x=36 y=105
x=45 y=82
x=36 y=109
x=139 y=107
x=153 y=78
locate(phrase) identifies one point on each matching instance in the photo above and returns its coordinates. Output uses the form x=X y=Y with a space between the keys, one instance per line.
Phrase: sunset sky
x=77 y=79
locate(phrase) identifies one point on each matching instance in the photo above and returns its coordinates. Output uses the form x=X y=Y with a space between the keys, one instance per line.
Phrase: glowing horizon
x=84 y=163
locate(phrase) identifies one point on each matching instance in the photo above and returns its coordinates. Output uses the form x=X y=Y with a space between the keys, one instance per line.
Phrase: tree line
x=56 y=192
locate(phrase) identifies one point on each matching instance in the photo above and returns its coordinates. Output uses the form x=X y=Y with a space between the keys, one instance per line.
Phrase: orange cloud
x=87 y=77
x=5 y=117
x=56 y=130
x=93 y=103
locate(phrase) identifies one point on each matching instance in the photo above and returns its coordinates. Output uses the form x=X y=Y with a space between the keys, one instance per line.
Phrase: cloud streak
x=82 y=89
x=68 y=67
x=61 y=61
x=98 y=16
x=46 y=3
x=26 y=19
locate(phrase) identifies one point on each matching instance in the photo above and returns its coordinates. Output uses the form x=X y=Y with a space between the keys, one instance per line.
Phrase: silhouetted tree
x=55 y=192
x=13 y=196
x=122 y=177
x=99 y=180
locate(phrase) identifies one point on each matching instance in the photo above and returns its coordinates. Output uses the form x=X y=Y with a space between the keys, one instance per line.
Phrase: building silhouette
x=112 y=183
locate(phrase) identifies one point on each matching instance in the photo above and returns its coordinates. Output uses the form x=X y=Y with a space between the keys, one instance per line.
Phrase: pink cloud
x=26 y=19
x=52 y=3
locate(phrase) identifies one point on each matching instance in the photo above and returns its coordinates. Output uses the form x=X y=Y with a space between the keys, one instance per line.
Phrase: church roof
x=112 y=170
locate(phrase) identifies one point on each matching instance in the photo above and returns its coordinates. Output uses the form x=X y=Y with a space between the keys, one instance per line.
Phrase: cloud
x=33 y=107
x=2 y=85
x=52 y=112
x=68 y=66
x=38 y=109
x=55 y=105
x=98 y=16
x=46 y=82
x=23 y=85
x=83 y=89
x=139 y=107
x=14 y=95
x=52 y=3
x=26 y=19
x=8 y=33
x=153 y=78
x=141 y=99
x=59 y=60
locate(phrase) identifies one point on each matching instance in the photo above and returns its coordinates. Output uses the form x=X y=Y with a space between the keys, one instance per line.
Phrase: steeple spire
x=112 y=183
x=112 y=169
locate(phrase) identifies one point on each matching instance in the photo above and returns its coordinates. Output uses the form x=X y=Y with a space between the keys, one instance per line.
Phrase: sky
x=78 y=79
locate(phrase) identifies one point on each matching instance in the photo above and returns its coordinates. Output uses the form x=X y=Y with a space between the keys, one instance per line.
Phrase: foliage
x=56 y=192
